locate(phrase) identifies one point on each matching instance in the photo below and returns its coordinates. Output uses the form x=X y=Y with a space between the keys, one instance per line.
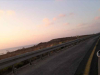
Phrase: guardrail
x=27 y=56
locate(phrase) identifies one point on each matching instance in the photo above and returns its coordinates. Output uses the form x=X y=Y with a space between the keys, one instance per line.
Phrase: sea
x=4 y=51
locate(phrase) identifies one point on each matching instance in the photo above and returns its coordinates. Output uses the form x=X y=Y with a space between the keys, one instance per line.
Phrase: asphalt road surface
x=62 y=63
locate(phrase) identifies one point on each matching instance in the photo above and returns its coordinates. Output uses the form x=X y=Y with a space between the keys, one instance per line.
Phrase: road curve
x=62 y=63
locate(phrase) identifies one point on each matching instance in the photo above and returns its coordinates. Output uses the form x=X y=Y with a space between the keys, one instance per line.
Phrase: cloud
x=54 y=18
x=61 y=15
x=72 y=14
x=97 y=18
x=46 y=21
x=7 y=12
x=10 y=12
x=66 y=23
x=82 y=24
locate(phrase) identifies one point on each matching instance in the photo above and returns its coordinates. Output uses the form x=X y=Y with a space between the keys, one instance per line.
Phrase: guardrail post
x=48 y=53
x=41 y=56
x=54 y=51
x=30 y=61
x=13 y=69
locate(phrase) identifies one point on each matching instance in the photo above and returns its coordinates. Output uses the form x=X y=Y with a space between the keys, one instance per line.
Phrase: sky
x=26 y=22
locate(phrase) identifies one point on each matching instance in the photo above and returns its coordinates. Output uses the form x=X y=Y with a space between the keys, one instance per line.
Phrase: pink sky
x=41 y=21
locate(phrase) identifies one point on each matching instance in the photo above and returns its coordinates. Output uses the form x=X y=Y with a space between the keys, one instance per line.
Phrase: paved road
x=63 y=63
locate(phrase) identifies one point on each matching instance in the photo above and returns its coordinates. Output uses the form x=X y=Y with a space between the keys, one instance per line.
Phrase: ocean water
x=4 y=51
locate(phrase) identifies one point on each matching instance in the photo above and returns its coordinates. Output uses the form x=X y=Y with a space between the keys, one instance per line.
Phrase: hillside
x=40 y=46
